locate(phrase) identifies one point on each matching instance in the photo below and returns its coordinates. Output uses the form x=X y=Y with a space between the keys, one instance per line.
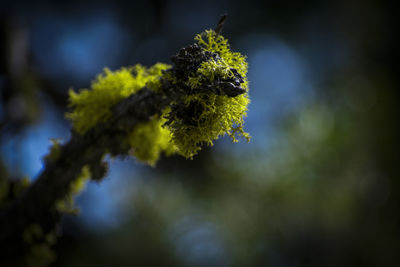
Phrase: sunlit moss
x=212 y=68
x=213 y=42
x=148 y=140
x=93 y=105
x=219 y=114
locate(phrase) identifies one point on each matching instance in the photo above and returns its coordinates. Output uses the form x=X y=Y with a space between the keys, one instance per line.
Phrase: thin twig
x=221 y=23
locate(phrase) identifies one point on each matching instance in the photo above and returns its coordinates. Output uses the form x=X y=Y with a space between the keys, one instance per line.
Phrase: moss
x=55 y=150
x=67 y=205
x=212 y=68
x=91 y=106
x=94 y=105
x=212 y=42
x=148 y=140
x=219 y=114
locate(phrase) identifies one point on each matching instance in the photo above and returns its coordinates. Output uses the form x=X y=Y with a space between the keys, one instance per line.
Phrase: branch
x=221 y=23
x=37 y=204
x=54 y=183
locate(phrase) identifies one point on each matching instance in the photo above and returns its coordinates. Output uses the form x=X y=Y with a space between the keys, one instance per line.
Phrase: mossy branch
x=203 y=96
x=220 y=24
x=88 y=149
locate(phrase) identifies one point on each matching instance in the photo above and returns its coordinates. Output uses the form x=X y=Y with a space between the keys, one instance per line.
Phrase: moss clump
x=67 y=205
x=209 y=116
x=148 y=140
x=91 y=106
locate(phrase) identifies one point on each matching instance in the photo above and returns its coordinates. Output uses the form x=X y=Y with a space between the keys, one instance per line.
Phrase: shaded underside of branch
x=35 y=205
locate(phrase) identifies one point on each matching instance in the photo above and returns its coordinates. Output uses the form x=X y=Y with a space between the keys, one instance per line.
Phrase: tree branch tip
x=221 y=23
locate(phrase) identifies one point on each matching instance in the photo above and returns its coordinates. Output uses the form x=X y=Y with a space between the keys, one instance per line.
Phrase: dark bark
x=53 y=184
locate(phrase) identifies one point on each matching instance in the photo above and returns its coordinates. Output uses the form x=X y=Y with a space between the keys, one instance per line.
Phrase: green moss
x=220 y=114
x=212 y=68
x=79 y=184
x=91 y=106
x=212 y=42
x=67 y=205
x=148 y=140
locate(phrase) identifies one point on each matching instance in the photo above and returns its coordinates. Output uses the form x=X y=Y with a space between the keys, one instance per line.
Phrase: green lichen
x=212 y=68
x=67 y=205
x=216 y=43
x=219 y=114
x=148 y=140
x=91 y=106
x=216 y=120
x=55 y=150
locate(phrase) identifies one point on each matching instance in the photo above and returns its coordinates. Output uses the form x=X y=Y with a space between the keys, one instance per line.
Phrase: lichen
x=91 y=106
x=55 y=150
x=212 y=115
x=148 y=140
x=67 y=205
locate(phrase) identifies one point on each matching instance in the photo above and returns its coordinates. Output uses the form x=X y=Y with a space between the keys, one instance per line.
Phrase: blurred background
x=316 y=186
